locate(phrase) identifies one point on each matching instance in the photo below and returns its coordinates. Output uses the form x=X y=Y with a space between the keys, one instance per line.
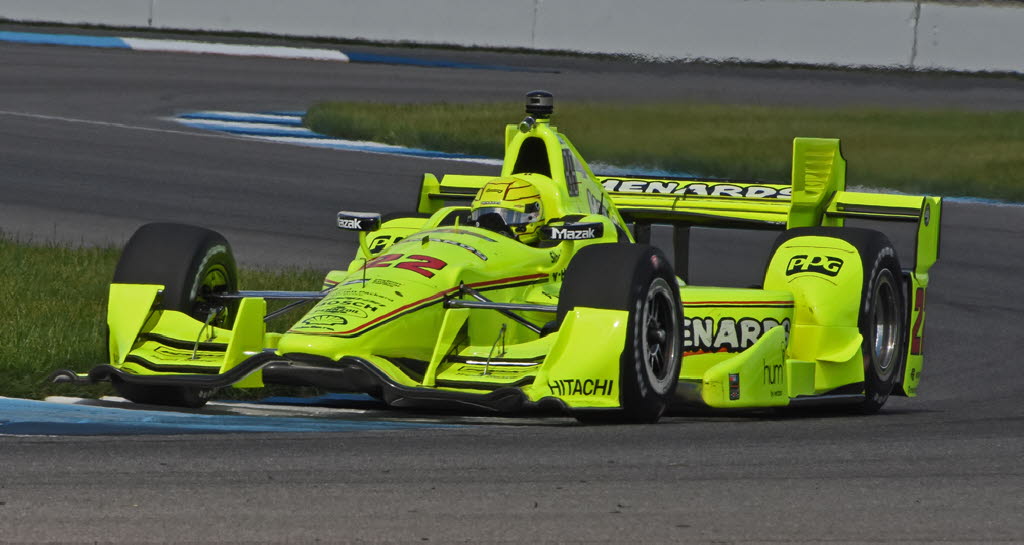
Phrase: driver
x=511 y=207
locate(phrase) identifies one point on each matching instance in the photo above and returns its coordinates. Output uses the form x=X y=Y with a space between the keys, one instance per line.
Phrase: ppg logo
x=821 y=264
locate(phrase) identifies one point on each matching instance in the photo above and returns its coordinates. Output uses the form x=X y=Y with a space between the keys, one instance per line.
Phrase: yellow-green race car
x=539 y=289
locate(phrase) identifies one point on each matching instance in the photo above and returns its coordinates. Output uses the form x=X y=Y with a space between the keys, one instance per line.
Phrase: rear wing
x=816 y=197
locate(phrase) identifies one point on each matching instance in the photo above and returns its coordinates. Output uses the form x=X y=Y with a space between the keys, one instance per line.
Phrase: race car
x=539 y=289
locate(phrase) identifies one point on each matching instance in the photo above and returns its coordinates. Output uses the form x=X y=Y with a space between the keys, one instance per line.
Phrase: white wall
x=898 y=34
x=814 y=32
x=966 y=38
x=93 y=12
x=473 y=22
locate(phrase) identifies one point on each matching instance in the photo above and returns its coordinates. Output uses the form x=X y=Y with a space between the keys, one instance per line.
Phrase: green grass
x=951 y=153
x=54 y=312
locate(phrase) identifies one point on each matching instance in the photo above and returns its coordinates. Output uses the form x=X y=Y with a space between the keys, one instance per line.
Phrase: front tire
x=192 y=263
x=639 y=279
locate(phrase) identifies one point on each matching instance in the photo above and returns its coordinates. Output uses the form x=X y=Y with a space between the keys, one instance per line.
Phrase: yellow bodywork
x=794 y=336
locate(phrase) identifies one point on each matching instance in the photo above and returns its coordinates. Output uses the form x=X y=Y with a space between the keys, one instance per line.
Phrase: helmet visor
x=511 y=217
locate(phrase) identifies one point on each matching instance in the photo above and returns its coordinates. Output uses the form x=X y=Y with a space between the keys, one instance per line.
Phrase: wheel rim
x=214 y=280
x=660 y=335
x=885 y=322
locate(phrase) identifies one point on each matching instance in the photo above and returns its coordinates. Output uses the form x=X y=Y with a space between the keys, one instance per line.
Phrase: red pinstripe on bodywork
x=501 y=282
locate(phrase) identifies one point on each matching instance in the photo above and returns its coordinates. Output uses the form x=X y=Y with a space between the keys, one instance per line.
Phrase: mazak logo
x=820 y=264
x=358 y=221
x=575 y=233
x=354 y=224
x=572 y=234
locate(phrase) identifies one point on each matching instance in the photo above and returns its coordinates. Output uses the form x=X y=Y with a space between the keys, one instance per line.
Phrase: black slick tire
x=191 y=263
x=639 y=279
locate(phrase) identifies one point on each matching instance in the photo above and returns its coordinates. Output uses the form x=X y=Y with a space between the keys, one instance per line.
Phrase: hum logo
x=773 y=373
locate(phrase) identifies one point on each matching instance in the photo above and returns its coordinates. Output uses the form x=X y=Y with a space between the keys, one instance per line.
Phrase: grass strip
x=953 y=153
x=54 y=315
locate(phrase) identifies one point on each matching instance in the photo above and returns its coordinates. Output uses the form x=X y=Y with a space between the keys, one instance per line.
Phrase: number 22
x=421 y=264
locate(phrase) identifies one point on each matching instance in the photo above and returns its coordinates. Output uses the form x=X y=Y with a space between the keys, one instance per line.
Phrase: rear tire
x=191 y=263
x=639 y=279
x=882 y=317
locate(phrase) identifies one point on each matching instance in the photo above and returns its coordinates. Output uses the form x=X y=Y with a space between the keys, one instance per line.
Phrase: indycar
x=539 y=289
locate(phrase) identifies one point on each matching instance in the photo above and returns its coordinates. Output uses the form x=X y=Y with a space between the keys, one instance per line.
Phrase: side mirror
x=572 y=231
x=359 y=221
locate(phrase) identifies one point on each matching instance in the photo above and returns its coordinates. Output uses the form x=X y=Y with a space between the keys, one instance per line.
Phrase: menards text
x=726 y=335
x=705 y=189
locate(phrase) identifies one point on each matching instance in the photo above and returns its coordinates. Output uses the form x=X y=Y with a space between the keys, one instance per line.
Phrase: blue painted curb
x=215 y=121
x=63 y=39
x=78 y=40
x=27 y=417
x=255 y=131
x=256 y=118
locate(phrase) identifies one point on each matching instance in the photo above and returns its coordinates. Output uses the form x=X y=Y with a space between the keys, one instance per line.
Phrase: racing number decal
x=916 y=335
x=383 y=261
x=420 y=264
x=416 y=263
x=570 y=173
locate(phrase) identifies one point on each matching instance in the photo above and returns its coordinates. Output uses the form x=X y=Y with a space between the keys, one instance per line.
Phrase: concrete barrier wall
x=498 y=23
x=898 y=34
x=814 y=32
x=134 y=13
x=971 y=38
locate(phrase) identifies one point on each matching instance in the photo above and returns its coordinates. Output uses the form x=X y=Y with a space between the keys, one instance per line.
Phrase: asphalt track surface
x=86 y=155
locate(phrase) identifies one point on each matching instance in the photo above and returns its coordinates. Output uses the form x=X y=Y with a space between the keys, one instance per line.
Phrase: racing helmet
x=509 y=206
